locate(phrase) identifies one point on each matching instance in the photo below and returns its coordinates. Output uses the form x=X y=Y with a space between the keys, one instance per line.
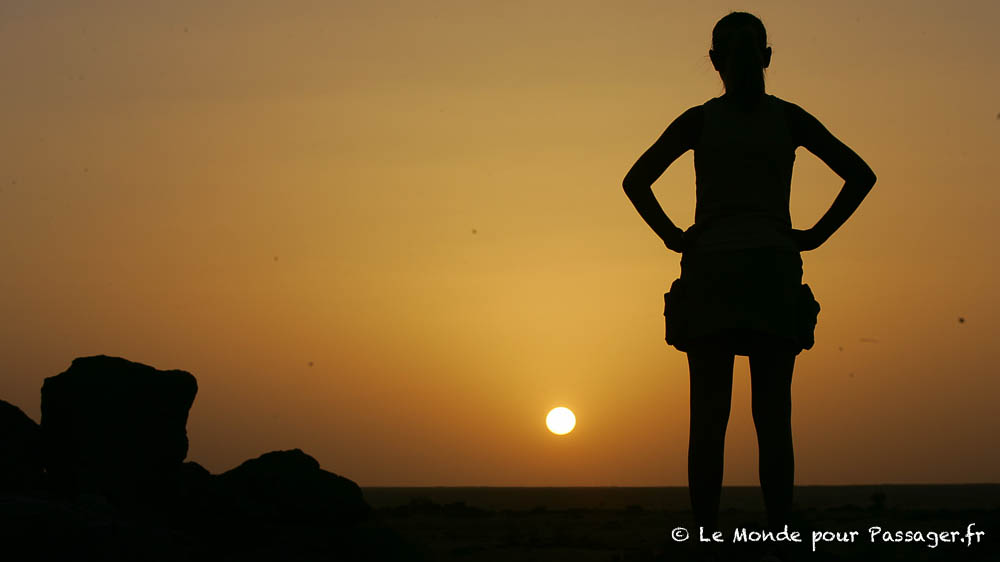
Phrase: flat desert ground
x=914 y=523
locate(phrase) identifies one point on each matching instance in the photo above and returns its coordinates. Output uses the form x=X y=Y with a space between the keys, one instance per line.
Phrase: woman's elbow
x=631 y=185
x=870 y=179
x=865 y=177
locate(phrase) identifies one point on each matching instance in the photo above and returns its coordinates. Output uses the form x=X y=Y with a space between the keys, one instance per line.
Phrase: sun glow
x=560 y=420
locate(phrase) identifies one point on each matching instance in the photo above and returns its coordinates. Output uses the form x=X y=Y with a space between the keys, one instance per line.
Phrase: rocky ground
x=103 y=477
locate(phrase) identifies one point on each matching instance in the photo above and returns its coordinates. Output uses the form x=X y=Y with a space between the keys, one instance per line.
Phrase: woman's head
x=740 y=53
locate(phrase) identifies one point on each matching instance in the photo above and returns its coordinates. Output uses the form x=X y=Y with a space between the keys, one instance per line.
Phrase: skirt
x=742 y=302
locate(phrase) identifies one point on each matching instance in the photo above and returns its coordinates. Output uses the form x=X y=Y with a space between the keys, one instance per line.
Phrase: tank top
x=743 y=173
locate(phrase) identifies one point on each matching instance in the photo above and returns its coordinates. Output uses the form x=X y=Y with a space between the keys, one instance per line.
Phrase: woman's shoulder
x=712 y=102
x=795 y=116
x=690 y=123
x=696 y=111
x=785 y=104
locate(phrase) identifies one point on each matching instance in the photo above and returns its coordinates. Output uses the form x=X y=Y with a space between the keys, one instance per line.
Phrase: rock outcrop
x=20 y=451
x=115 y=427
x=290 y=486
x=104 y=478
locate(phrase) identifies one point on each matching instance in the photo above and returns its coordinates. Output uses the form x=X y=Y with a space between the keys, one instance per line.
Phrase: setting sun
x=560 y=421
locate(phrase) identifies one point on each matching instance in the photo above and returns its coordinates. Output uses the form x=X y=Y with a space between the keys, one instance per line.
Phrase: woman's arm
x=857 y=175
x=679 y=137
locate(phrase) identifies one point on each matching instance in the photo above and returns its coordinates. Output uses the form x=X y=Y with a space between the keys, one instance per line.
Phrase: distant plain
x=634 y=524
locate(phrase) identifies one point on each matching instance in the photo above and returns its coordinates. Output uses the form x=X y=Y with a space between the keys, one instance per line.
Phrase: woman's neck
x=745 y=101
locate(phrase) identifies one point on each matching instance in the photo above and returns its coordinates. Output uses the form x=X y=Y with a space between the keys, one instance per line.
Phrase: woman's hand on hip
x=681 y=241
x=806 y=240
x=675 y=240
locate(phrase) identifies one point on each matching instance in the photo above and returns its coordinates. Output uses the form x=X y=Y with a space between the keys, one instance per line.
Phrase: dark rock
x=195 y=479
x=20 y=451
x=116 y=428
x=283 y=506
x=289 y=487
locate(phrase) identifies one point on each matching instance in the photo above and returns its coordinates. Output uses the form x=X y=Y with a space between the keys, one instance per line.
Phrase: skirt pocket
x=676 y=314
x=807 y=312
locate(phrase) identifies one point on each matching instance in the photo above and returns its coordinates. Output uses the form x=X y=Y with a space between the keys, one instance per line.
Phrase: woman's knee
x=772 y=412
x=771 y=417
x=709 y=422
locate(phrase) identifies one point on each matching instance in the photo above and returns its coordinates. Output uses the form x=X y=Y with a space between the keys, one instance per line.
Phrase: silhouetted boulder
x=116 y=428
x=289 y=487
x=195 y=480
x=20 y=450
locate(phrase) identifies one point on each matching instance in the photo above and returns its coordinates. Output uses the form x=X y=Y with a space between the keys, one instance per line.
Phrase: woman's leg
x=711 y=396
x=771 y=385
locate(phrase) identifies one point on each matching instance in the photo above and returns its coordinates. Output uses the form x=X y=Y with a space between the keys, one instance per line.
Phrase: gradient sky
x=423 y=200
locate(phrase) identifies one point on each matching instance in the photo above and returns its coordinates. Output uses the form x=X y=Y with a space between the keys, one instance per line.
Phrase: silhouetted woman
x=740 y=291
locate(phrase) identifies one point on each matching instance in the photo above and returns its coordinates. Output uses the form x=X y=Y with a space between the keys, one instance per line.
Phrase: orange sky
x=424 y=200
